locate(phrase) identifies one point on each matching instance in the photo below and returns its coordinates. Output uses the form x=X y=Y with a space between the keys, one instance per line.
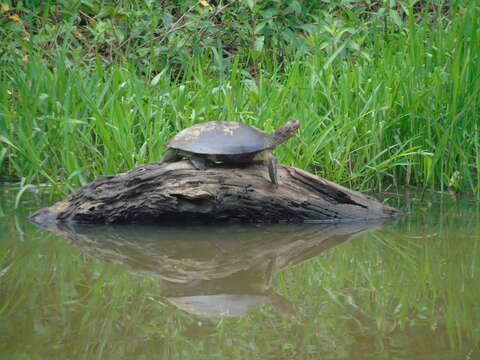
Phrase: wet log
x=163 y=193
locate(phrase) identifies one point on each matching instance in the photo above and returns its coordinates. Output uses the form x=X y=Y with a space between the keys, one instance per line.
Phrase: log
x=165 y=193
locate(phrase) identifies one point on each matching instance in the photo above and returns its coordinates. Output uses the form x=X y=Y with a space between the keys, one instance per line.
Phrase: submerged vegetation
x=387 y=92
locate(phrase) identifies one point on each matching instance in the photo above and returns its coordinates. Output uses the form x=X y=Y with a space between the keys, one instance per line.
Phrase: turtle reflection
x=213 y=271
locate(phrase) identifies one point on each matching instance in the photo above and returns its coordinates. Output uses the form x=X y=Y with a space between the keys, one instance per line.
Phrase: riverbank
x=385 y=99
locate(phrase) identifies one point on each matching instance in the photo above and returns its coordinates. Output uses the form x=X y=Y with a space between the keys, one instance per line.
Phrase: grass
x=400 y=107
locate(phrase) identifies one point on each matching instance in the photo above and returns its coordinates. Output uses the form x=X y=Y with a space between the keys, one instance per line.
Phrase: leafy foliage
x=156 y=34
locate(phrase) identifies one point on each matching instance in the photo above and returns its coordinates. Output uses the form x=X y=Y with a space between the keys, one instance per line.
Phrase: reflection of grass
x=406 y=113
x=406 y=290
x=410 y=286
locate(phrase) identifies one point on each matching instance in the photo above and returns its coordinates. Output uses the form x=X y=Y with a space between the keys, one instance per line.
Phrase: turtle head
x=285 y=132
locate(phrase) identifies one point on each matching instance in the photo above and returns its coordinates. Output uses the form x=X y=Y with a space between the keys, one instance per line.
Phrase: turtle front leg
x=272 y=168
x=198 y=162
x=171 y=156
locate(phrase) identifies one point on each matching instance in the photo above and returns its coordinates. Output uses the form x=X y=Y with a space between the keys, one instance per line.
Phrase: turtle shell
x=221 y=138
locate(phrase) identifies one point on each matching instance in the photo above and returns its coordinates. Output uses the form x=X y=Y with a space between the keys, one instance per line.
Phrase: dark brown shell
x=221 y=138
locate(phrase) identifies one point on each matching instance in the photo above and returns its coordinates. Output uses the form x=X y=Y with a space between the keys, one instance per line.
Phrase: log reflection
x=213 y=271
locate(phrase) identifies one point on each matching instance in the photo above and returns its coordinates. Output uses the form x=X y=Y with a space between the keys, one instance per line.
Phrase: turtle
x=228 y=142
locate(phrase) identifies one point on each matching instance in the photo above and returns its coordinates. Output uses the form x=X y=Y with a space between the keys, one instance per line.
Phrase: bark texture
x=178 y=193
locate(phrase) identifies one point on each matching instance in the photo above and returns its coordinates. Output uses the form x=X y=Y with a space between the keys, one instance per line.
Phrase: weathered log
x=177 y=192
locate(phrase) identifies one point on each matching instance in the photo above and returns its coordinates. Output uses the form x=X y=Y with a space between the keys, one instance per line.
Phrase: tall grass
x=405 y=113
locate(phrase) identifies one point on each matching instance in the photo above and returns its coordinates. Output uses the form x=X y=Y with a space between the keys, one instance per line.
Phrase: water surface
x=405 y=290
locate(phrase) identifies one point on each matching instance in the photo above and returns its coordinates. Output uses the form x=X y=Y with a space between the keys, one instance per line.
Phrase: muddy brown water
x=401 y=290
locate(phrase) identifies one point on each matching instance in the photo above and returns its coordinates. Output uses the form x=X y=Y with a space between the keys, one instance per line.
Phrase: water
x=405 y=290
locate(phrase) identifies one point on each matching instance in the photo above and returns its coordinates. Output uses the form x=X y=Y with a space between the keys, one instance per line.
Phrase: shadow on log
x=178 y=193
